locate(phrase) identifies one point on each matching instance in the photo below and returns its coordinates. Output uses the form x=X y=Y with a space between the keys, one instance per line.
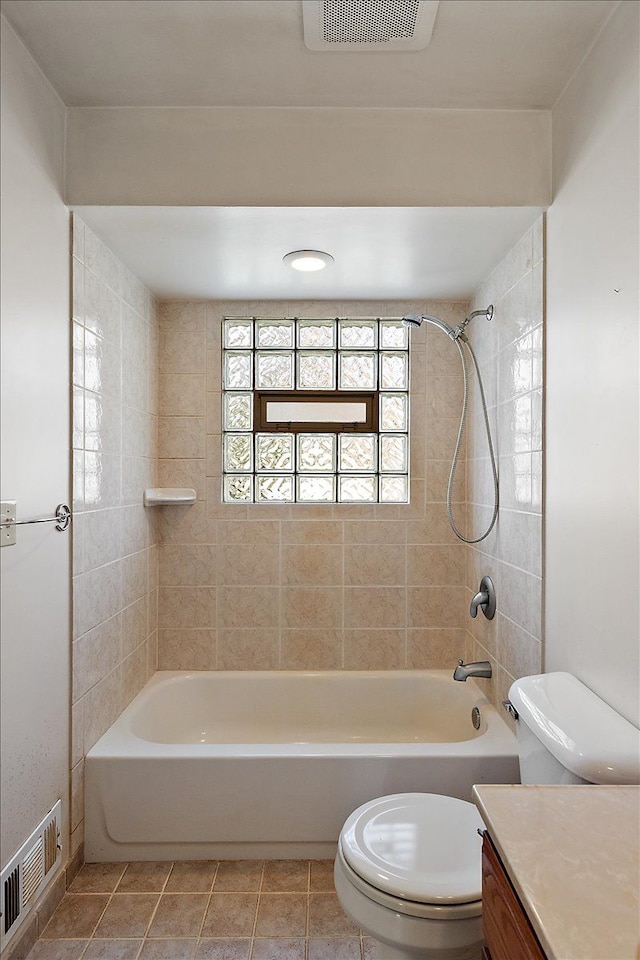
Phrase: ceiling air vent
x=367 y=25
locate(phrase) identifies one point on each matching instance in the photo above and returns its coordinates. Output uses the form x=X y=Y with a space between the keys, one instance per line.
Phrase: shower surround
x=217 y=586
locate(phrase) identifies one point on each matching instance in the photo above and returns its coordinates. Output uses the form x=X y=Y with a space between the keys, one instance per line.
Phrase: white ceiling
x=483 y=53
x=381 y=253
x=498 y=54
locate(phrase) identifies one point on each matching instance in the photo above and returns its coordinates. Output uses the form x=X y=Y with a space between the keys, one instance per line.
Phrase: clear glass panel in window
x=394 y=490
x=393 y=335
x=274 y=451
x=393 y=411
x=393 y=371
x=393 y=453
x=357 y=371
x=357 y=452
x=316 y=371
x=357 y=489
x=238 y=411
x=339 y=411
x=274 y=371
x=274 y=489
x=316 y=452
x=316 y=489
x=237 y=452
x=238 y=489
x=319 y=334
x=274 y=334
x=238 y=371
x=238 y=334
x=357 y=333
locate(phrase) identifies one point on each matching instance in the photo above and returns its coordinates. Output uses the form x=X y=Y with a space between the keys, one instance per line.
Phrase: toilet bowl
x=408 y=867
x=408 y=871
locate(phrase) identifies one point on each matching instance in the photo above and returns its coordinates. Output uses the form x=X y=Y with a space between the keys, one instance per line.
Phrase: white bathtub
x=269 y=764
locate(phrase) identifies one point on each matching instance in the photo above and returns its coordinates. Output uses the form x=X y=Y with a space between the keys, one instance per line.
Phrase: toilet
x=408 y=866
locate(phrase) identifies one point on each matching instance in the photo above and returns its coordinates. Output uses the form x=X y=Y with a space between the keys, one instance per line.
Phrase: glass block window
x=315 y=410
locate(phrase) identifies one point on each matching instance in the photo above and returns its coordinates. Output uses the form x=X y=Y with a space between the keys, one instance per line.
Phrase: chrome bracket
x=8 y=522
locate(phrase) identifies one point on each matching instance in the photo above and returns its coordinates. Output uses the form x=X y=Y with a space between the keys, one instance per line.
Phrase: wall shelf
x=163 y=496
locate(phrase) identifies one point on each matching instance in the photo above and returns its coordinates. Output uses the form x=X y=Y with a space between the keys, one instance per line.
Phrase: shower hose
x=456 y=454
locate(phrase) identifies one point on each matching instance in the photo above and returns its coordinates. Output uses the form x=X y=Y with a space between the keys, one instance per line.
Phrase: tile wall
x=279 y=586
x=114 y=537
x=510 y=352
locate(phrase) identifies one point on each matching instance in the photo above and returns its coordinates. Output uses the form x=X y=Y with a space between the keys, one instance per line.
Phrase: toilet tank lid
x=579 y=729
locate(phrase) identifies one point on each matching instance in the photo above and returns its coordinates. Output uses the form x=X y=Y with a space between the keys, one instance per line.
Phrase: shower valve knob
x=485 y=599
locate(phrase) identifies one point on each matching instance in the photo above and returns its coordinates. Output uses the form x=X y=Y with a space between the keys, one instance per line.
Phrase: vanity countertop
x=573 y=856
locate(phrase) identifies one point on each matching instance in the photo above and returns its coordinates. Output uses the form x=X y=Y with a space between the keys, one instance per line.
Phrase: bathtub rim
x=120 y=740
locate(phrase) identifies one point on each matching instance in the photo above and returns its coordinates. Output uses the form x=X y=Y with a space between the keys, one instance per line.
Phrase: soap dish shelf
x=163 y=496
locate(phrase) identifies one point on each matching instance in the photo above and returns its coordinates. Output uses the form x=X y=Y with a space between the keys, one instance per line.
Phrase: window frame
x=371 y=399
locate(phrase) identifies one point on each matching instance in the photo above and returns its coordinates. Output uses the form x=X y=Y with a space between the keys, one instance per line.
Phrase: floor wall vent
x=368 y=25
x=29 y=872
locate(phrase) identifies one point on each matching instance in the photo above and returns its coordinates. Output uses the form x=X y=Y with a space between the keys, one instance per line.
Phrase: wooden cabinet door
x=507 y=932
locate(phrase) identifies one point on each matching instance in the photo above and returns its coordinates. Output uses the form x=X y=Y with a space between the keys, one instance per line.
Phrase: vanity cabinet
x=507 y=933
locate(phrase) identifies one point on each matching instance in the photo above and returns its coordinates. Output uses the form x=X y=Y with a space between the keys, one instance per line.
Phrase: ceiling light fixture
x=307 y=260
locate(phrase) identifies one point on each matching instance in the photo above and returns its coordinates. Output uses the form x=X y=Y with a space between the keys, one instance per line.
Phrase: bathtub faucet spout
x=465 y=670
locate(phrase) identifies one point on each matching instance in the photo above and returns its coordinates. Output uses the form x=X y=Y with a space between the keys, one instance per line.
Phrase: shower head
x=415 y=320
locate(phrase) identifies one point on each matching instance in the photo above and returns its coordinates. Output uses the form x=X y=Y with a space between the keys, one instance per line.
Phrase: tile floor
x=208 y=910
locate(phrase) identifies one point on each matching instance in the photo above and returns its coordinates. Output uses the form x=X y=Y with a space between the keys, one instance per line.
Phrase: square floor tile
x=75 y=917
x=179 y=915
x=168 y=949
x=215 y=949
x=230 y=915
x=285 y=876
x=112 y=950
x=238 y=875
x=145 y=877
x=97 y=878
x=192 y=876
x=282 y=915
x=128 y=915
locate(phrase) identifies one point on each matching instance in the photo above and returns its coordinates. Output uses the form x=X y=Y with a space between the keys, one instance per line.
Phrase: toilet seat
x=417 y=847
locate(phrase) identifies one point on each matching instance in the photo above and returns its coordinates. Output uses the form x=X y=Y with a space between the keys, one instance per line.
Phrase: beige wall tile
x=248 y=531
x=187 y=564
x=186 y=607
x=375 y=531
x=135 y=625
x=312 y=531
x=374 y=649
x=242 y=607
x=95 y=655
x=311 y=650
x=248 y=650
x=260 y=565
x=311 y=607
x=440 y=565
x=436 y=606
x=181 y=438
x=366 y=564
x=183 y=473
x=376 y=607
x=312 y=564
x=181 y=395
x=186 y=649
x=436 y=648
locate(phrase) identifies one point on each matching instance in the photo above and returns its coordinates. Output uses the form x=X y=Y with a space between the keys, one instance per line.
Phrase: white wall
x=35 y=447
x=271 y=156
x=592 y=484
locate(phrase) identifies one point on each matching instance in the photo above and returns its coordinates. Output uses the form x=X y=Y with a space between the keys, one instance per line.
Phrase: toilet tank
x=567 y=734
